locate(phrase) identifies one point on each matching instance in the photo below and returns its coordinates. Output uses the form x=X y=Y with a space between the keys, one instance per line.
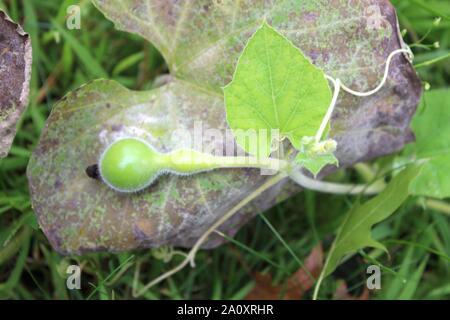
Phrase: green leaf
x=275 y=87
x=314 y=156
x=432 y=130
x=316 y=163
x=355 y=232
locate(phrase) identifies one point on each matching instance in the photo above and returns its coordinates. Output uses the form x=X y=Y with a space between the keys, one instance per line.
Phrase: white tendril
x=338 y=85
x=385 y=77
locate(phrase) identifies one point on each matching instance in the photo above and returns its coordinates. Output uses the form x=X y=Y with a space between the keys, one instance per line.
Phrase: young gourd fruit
x=131 y=164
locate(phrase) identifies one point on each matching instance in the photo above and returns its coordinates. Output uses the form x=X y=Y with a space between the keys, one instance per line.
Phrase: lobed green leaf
x=275 y=87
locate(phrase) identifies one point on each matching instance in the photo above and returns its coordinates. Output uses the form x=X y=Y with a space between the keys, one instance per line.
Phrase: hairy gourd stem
x=250 y=162
x=192 y=253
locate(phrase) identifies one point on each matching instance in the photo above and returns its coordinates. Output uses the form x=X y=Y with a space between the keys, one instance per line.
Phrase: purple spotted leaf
x=15 y=73
x=201 y=42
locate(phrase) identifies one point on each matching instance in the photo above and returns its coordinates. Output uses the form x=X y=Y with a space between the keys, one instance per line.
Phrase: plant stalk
x=334 y=188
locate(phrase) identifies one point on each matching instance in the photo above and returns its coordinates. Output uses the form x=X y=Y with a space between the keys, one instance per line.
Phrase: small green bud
x=324 y=147
x=314 y=156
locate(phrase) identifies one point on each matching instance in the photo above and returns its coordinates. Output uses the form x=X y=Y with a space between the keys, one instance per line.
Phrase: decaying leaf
x=174 y=210
x=15 y=73
x=296 y=286
x=201 y=42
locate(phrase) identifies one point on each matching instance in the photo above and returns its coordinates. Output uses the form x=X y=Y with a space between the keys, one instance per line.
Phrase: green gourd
x=132 y=164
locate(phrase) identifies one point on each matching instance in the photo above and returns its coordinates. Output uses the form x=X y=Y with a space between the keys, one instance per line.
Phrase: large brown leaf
x=15 y=73
x=201 y=41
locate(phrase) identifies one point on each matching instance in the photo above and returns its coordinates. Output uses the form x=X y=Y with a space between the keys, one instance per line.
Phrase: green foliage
x=432 y=130
x=275 y=87
x=355 y=231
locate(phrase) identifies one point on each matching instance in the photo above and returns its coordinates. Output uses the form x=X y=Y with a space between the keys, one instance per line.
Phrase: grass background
x=418 y=239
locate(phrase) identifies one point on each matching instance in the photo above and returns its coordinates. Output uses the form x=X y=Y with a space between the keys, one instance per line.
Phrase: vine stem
x=335 y=188
x=327 y=118
x=433 y=61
